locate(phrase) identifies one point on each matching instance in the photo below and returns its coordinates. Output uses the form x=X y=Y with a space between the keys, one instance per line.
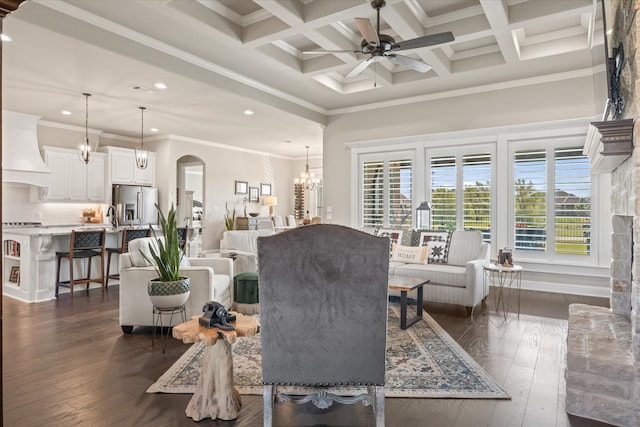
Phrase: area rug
x=422 y=361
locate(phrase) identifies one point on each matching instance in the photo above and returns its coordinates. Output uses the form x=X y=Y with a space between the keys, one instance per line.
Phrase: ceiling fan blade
x=424 y=41
x=414 y=64
x=368 y=32
x=360 y=67
x=322 y=51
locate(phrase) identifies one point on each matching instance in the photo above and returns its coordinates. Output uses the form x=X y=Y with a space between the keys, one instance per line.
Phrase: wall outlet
x=38 y=215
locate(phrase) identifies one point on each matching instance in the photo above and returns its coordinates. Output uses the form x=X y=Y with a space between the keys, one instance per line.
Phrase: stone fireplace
x=603 y=345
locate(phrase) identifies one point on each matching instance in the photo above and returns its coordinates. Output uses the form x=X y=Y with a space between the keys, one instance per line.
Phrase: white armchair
x=210 y=278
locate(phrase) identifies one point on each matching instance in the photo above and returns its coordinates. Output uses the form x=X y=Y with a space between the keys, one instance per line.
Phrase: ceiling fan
x=379 y=46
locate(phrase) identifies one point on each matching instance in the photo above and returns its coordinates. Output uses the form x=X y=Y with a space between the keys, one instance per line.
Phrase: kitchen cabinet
x=123 y=170
x=72 y=180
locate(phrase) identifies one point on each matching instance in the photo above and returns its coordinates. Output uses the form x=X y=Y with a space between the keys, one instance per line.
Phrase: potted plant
x=169 y=289
x=229 y=218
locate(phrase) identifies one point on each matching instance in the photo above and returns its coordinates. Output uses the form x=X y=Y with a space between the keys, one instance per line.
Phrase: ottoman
x=245 y=293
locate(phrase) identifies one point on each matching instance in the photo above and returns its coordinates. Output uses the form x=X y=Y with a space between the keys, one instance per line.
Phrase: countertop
x=63 y=229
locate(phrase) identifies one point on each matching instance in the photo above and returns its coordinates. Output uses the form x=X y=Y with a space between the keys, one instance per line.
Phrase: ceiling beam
x=497 y=13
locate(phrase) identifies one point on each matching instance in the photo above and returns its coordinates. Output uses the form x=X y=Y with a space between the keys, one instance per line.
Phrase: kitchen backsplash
x=17 y=208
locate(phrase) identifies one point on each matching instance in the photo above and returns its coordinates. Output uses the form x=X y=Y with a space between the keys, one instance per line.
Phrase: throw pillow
x=410 y=254
x=395 y=236
x=438 y=242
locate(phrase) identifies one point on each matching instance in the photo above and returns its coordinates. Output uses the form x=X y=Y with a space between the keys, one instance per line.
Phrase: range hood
x=21 y=159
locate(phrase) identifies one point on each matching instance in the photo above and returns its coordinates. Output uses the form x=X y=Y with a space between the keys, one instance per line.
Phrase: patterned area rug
x=422 y=361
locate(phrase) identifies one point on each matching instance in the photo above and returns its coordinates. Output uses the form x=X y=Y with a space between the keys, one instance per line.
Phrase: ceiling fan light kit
x=379 y=46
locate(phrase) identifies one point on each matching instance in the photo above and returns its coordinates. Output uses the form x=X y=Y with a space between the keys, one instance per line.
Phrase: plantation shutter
x=476 y=171
x=443 y=192
x=386 y=192
x=572 y=205
x=530 y=174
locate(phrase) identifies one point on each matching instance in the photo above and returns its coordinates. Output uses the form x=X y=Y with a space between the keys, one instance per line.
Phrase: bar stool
x=183 y=234
x=128 y=234
x=83 y=244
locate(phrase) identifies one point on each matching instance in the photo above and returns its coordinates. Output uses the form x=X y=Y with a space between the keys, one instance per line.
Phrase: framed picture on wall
x=265 y=189
x=253 y=194
x=241 y=187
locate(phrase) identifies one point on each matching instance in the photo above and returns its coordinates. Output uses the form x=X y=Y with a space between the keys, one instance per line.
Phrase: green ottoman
x=245 y=293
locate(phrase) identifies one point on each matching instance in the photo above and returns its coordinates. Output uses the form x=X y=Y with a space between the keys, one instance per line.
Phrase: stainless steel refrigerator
x=135 y=205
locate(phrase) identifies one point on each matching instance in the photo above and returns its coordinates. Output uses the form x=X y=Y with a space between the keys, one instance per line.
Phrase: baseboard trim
x=567 y=288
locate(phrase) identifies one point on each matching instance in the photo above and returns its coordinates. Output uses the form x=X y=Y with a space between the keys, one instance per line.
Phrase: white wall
x=223 y=166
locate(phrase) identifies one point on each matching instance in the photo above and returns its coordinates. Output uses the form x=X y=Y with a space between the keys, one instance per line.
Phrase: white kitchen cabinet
x=95 y=179
x=71 y=179
x=123 y=170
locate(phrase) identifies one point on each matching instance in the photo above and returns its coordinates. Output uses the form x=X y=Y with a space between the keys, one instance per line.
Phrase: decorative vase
x=169 y=294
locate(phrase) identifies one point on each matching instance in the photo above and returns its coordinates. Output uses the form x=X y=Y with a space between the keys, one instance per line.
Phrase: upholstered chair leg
x=268 y=401
x=379 y=406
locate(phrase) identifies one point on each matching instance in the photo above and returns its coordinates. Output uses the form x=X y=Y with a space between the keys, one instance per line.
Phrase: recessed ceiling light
x=154 y=129
x=5 y=38
x=66 y=112
x=286 y=141
x=248 y=112
x=160 y=85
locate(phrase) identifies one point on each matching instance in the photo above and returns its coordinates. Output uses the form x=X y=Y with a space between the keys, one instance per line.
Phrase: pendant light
x=306 y=178
x=86 y=147
x=142 y=154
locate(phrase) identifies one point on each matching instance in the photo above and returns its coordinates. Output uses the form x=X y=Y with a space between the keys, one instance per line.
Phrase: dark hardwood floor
x=67 y=363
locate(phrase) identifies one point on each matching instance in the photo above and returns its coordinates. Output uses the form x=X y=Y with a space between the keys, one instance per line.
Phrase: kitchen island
x=29 y=258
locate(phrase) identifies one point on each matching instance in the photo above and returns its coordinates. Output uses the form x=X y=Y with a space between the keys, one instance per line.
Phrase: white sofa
x=460 y=280
x=243 y=243
x=211 y=280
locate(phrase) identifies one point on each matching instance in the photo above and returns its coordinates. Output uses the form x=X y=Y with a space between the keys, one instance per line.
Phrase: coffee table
x=406 y=284
x=215 y=395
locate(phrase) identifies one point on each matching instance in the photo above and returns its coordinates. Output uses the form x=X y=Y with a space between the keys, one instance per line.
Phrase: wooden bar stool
x=128 y=234
x=83 y=244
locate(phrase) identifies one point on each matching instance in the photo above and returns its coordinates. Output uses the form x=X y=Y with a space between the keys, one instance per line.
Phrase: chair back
x=323 y=306
x=129 y=234
x=183 y=232
x=265 y=224
x=82 y=240
x=277 y=221
x=291 y=221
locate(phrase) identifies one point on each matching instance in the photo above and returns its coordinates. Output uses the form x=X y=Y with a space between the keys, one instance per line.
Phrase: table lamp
x=270 y=201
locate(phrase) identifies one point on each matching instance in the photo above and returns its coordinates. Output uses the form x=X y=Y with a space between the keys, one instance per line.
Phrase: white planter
x=169 y=294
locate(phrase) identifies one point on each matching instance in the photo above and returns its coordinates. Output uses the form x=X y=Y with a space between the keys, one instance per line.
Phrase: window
x=443 y=192
x=558 y=221
x=467 y=174
x=530 y=172
x=386 y=188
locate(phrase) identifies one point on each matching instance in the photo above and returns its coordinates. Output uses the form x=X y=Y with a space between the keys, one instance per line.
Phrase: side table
x=215 y=395
x=501 y=278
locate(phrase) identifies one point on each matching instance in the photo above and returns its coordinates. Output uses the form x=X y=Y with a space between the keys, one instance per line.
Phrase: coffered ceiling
x=221 y=57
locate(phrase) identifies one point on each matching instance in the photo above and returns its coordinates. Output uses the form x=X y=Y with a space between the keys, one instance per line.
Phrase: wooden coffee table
x=215 y=395
x=406 y=284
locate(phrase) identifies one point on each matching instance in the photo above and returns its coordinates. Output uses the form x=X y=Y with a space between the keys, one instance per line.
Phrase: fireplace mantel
x=608 y=144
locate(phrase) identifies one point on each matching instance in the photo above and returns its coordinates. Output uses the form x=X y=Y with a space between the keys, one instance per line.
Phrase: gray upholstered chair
x=323 y=305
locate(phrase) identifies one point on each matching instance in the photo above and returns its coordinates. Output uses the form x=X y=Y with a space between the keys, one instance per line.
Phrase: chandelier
x=307 y=179
x=86 y=147
x=142 y=154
